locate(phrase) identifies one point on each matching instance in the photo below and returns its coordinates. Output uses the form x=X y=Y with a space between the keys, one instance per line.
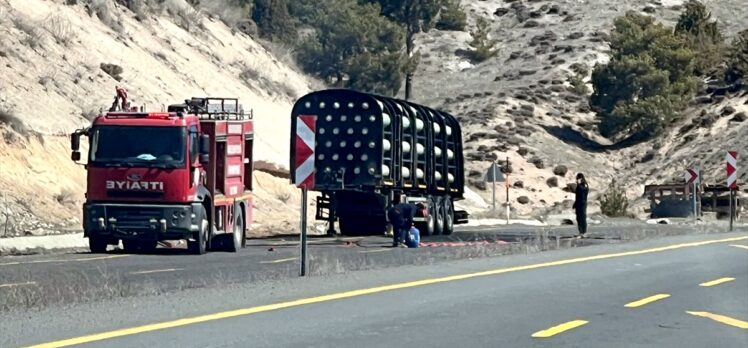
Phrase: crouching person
x=400 y=216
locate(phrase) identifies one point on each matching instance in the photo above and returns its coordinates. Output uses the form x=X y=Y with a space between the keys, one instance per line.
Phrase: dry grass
x=8 y=117
x=61 y=29
x=229 y=14
x=91 y=112
x=34 y=37
x=104 y=10
x=65 y=196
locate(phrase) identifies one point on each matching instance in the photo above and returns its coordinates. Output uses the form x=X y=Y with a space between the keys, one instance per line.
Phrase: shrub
x=482 y=47
x=113 y=70
x=737 y=62
x=578 y=86
x=452 y=16
x=614 y=203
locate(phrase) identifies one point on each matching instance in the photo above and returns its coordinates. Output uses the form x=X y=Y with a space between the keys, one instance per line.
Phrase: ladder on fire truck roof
x=213 y=108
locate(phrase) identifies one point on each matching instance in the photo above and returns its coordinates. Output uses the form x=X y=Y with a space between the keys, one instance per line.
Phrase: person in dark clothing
x=400 y=216
x=580 y=203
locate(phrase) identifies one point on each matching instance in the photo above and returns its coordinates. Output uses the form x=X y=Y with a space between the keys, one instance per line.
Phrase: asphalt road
x=38 y=281
x=580 y=297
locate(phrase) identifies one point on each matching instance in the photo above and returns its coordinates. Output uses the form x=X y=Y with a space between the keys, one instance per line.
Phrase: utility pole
x=508 y=209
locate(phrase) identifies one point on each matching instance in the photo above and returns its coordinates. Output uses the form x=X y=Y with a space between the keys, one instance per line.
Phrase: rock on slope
x=52 y=82
x=520 y=105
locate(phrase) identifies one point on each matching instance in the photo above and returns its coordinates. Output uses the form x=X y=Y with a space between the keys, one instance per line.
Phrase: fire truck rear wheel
x=200 y=244
x=97 y=244
x=237 y=239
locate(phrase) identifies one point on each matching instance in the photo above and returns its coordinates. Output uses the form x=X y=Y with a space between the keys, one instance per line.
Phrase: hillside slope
x=53 y=82
x=518 y=105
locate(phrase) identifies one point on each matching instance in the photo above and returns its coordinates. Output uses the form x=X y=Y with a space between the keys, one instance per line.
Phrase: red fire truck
x=184 y=173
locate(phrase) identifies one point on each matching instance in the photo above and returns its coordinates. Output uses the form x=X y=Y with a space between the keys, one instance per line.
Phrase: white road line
x=16 y=284
x=279 y=260
x=157 y=271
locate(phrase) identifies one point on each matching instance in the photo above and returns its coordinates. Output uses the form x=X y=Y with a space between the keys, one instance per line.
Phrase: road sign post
x=508 y=208
x=494 y=169
x=304 y=175
x=494 y=175
x=692 y=178
x=732 y=181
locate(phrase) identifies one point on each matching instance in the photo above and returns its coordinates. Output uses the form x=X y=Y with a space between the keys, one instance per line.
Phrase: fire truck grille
x=134 y=217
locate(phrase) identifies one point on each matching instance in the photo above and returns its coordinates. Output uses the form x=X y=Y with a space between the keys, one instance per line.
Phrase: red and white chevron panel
x=305 y=134
x=732 y=169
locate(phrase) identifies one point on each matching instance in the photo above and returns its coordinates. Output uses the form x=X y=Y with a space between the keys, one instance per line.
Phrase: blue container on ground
x=413 y=239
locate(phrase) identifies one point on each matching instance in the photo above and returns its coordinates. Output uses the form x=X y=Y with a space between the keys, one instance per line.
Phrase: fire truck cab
x=184 y=173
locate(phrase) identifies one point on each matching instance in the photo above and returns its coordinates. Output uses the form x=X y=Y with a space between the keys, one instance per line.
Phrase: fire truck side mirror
x=75 y=142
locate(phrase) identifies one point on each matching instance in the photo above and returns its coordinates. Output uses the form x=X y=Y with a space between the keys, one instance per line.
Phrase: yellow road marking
x=717 y=281
x=722 y=319
x=158 y=271
x=740 y=246
x=373 y=251
x=559 y=329
x=646 y=300
x=280 y=260
x=360 y=292
x=16 y=284
x=65 y=260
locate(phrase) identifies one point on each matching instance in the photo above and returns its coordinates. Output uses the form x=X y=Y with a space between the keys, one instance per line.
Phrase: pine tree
x=366 y=57
x=274 y=21
x=415 y=16
x=648 y=81
x=702 y=35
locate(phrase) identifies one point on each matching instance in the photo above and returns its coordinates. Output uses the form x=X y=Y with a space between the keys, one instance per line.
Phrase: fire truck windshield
x=138 y=146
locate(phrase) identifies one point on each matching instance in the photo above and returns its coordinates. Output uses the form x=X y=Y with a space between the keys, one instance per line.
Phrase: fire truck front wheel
x=97 y=244
x=199 y=245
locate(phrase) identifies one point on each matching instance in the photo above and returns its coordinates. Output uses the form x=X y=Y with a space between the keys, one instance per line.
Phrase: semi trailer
x=369 y=148
x=181 y=173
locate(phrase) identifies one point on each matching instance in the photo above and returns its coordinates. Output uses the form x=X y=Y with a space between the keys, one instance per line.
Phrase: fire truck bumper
x=144 y=222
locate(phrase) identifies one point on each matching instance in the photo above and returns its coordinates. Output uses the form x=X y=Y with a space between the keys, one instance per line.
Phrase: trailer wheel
x=200 y=244
x=238 y=235
x=449 y=218
x=438 y=216
x=427 y=228
x=97 y=244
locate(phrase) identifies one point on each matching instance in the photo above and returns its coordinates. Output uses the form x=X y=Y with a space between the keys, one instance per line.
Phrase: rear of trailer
x=359 y=150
